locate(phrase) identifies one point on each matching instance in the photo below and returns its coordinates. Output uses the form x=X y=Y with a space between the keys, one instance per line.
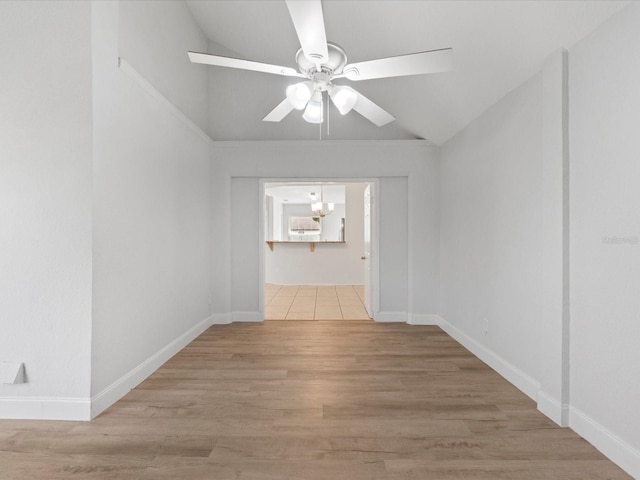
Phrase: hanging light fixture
x=321 y=209
x=343 y=97
x=313 y=112
x=299 y=94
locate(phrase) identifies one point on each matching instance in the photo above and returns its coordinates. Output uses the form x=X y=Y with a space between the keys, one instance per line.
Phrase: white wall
x=330 y=264
x=45 y=206
x=605 y=237
x=408 y=253
x=396 y=261
x=527 y=225
x=154 y=36
x=152 y=221
x=491 y=228
x=504 y=237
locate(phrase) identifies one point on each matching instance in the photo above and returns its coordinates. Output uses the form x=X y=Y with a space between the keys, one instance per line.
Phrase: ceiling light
x=343 y=97
x=299 y=94
x=320 y=208
x=313 y=112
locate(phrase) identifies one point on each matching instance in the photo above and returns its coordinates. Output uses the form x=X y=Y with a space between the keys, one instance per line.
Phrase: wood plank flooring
x=310 y=400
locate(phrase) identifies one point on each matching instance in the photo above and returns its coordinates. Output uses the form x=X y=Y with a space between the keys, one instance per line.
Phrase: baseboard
x=509 y=371
x=132 y=379
x=332 y=284
x=553 y=409
x=619 y=451
x=390 y=317
x=220 y=318
x=247 y=316
x=423 y=319
x=45 y=408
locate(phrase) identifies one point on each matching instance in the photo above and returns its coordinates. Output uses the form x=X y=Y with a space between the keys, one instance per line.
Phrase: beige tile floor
x=310 y=302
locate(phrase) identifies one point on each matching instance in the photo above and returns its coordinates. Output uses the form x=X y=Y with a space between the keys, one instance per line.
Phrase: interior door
x=367 y=251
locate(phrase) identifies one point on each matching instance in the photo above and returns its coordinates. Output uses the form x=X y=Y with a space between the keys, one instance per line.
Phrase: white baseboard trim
x=423 y=319
x=390 y=317
x=619 y=451
x=247 y=316
x=118 y=389
x=345 y=284
x=220 y=318
x=45 y=408
x=512 y=373
x=553 y=409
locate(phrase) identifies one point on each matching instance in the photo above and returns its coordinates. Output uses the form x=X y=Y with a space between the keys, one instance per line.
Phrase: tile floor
x=310 y=302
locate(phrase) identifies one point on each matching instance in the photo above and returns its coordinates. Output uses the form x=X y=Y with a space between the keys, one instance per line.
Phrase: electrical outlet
x=485 y=325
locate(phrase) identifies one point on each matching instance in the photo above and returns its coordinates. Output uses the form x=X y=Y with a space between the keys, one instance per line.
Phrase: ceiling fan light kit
x=343 y=97
x=314 y=111
x=299 y=94
x=321 y=62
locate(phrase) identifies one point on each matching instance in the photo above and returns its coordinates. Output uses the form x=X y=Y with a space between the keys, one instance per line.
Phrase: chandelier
x=321 y=209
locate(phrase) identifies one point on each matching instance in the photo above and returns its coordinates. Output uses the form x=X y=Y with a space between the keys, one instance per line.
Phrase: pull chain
x=328 y=117
x=321 y=117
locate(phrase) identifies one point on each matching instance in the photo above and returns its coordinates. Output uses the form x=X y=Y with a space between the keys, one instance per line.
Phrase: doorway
x=319 y=260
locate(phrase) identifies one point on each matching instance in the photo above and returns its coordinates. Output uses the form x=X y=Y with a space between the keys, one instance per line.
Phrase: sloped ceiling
x=496 y=45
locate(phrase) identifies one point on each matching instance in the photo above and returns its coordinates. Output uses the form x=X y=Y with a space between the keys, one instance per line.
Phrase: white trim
x=423 y=319
x=390 y=317
x=247 y=316
x=164 y=101
x=45 y=408
x=220 y=318
x=132 y=379
x=553 y=409
x=509 y=371
x=319 y=284
x=619 y=451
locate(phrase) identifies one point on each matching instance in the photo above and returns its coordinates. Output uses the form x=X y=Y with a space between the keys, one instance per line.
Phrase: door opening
x=317 y=246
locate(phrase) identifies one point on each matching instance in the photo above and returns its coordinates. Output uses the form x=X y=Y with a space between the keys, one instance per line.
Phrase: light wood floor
x=310 y=400
x=310 y=302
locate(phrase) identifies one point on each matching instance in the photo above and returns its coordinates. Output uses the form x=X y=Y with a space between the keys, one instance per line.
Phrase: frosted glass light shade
x=299 y=94
x=322 y=209
x=344 y=98
x=313 y=112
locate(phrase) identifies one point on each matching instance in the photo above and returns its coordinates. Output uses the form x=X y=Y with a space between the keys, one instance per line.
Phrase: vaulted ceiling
x=497 y=45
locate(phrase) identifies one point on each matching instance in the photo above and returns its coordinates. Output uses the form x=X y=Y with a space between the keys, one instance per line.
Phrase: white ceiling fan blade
x=371 y=111
x=231 y=62
x=308 y=21
x=433 y=61
x=278 y=113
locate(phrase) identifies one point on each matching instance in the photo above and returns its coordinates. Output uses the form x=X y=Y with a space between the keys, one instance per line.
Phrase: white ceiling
x=497 y=45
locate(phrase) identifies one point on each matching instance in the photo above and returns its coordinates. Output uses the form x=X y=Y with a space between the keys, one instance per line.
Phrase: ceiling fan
x=320 y=63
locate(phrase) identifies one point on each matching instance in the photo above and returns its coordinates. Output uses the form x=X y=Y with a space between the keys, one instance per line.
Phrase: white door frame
x=375 y=232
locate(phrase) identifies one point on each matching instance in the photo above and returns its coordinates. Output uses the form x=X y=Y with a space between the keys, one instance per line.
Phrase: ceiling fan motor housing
x=333 y=66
